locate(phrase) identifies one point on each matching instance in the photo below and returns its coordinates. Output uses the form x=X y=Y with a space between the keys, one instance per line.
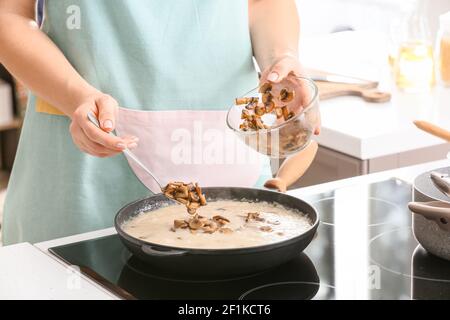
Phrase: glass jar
x=415 y=69
x=443 y=49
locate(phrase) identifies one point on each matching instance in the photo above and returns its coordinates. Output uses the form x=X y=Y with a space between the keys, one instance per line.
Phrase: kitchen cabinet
x=331 y=165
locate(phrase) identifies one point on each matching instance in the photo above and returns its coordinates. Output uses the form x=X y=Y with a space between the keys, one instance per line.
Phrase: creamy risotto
x=240 y=224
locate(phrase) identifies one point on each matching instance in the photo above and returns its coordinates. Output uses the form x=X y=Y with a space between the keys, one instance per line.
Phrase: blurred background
x=319 y=17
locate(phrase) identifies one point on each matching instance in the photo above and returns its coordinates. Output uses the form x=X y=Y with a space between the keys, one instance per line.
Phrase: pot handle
x=159 y=253
x=436 y=211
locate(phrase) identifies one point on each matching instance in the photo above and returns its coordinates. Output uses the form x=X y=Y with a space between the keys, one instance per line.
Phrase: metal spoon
x=127 y=152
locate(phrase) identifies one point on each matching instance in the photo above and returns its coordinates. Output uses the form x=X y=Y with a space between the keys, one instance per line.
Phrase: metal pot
x=431 y=215
x=430 y=276
x=220 y=262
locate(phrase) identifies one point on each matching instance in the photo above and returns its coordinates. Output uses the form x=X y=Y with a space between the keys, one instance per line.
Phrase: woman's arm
x=37 y=62
x=275 y=31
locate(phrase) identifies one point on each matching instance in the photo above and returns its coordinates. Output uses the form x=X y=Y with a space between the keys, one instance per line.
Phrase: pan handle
x=436 y=211
x=293 y=168
x=158 y=253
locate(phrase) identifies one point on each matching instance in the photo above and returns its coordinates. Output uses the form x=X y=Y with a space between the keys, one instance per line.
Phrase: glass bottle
x=415 y=70
x=443 y=49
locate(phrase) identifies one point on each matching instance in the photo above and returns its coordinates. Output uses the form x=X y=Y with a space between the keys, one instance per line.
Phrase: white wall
x=324 y=16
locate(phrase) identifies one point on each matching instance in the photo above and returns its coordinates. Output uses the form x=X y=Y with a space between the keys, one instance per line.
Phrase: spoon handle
x=433 y=129
x=127 y=152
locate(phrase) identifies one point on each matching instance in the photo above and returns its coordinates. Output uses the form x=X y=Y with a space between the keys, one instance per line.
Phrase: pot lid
x=424 y=185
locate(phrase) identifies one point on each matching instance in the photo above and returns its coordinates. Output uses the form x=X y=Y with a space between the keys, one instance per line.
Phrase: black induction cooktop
x=364 y=249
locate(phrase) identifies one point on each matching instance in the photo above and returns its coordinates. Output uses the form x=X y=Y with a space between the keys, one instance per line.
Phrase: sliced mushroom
x=244 y=127
x=195 y=224
x=193 y=205
x=267 y=97
x=211 y=227
x=250 y=106
x=270 y=107
x=285 y=112
x=185 y=226
x=254 y=216
x=290 y=115
x=260 y=110
x=202 y=199
x=226 y=230
x=266 y=87
x=193 y=196
x=187 y=194
x=169 y=195
x=246 y=100
x=221 y=218
x=179 y=224
x=183 y=194
x=259 y=124
x=278 y=112
x=266 y=229
x=245 y=114
x=251 y=216
x=286 y=95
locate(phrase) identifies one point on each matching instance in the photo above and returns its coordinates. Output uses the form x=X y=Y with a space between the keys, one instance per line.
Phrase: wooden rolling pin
x=433 y=129
x=293 y=168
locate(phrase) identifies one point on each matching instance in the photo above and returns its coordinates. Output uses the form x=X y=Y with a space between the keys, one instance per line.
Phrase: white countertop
x=31 y=272
x=370 y=130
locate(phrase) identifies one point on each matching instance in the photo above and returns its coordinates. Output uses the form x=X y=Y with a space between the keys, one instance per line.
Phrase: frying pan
x=217 y=263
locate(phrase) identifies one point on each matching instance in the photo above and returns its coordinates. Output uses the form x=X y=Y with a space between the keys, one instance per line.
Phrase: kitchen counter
x=26 y=272
x=29 y=272
x=368 y=130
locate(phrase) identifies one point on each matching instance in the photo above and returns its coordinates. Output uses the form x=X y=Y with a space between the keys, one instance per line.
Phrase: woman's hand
x=45 y=70
x=92 y=140
x=283 y=67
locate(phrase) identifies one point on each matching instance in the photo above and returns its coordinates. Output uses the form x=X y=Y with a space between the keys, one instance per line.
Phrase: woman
x=169 y=64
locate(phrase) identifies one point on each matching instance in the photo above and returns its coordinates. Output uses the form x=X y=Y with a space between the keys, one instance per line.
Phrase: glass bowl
x=283 y=138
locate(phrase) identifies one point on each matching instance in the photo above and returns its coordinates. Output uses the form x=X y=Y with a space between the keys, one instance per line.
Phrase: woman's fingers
x=318 y=125
x=98 y=141
x=102 y=138
x=282 y=68
x=88 y=146
x=95 y=134
x=96 y=150
x=283 y=72
x=107 y=112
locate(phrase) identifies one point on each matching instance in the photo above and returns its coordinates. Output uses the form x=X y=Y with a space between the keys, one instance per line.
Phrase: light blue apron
x=149 y=55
